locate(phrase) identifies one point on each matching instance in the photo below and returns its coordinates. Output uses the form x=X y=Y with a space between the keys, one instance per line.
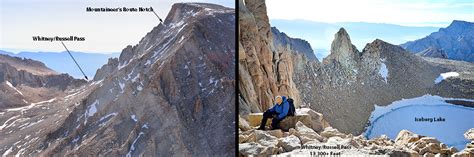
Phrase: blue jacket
x=282 y=109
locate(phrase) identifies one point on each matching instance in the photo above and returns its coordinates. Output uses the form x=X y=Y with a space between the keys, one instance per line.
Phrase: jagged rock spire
x=342 y=50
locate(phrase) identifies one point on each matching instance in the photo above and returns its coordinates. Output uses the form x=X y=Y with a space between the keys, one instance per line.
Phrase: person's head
x=278 y=100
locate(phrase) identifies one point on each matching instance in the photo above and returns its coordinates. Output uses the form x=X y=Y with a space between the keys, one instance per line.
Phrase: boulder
x=251 y=149
x=433 y=148
x=276 y=133
x=289 y=143
x=469 y=134
x=306 y=134
x=429 y=140
x=428 y=155
x=381 y=141
x=316 y=121
x=331 y=132
x=404 y=137
x=463 y=154
x=340 y=141
x=247 y=138
x=243 y=138
x=243 y=124
x=265 y=139
x=470 y=145
x=256 y=118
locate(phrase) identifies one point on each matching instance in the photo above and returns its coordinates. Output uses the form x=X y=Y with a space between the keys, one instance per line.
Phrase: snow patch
x=122 y=85
x=383 y=71
x=10 y=84
x=139 y=88
x=134 y=118
x=5 y=124
x=91 y=110
x=8 y=151
x=213 y=81
x=181 y=39
x=30 y=106
x=135 y=78
x=120 y=66
x=97 y=82
x=444 y=76
x=30 y=124
x=106 y=117
x=76 y=139
x=132 y=147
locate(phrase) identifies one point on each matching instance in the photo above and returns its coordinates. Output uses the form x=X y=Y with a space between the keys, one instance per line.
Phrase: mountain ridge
x=456 y=40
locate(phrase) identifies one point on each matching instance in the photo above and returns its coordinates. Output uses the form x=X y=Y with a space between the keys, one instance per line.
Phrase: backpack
x=291 y=110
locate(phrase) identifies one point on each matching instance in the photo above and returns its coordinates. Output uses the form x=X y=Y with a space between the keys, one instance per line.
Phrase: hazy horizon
x=400 y=12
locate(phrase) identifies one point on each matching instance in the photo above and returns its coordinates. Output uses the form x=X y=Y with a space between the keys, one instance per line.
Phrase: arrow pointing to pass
x=156 y=15
x=74 y=61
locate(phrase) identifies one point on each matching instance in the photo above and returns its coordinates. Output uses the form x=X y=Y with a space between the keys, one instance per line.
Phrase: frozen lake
x=427 y=115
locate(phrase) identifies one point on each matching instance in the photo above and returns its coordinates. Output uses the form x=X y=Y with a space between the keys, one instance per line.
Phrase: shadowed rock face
x=346 y=85
x=172 y=94
x=457 y=40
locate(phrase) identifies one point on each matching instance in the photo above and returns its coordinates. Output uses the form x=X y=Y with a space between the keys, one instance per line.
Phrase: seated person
x=278 y=112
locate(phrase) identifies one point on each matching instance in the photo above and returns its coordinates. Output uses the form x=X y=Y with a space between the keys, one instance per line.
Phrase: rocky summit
x=166 y=96
x=346 y=85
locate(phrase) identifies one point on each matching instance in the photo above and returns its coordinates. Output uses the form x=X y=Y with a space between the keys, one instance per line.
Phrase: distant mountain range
x=62 y=62
x=320 y=34
x=455 y=41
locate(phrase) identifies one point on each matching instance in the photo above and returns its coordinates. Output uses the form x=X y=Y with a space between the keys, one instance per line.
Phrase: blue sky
x=104 y=32
x=401 y=12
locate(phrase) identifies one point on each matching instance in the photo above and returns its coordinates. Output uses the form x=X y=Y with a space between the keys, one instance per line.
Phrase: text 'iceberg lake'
x=427 y=115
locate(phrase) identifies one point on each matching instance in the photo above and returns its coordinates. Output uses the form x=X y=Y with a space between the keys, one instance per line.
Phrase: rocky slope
x=24 y=81
x=165 y=96
x=346 y=85
x=433 y=52
x=305 y=141
x=457 y=40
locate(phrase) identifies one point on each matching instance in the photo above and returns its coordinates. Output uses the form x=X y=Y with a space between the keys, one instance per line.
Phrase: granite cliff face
x=172 y=94
x=346 y=85
x=457 y=40
x=266 y=59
